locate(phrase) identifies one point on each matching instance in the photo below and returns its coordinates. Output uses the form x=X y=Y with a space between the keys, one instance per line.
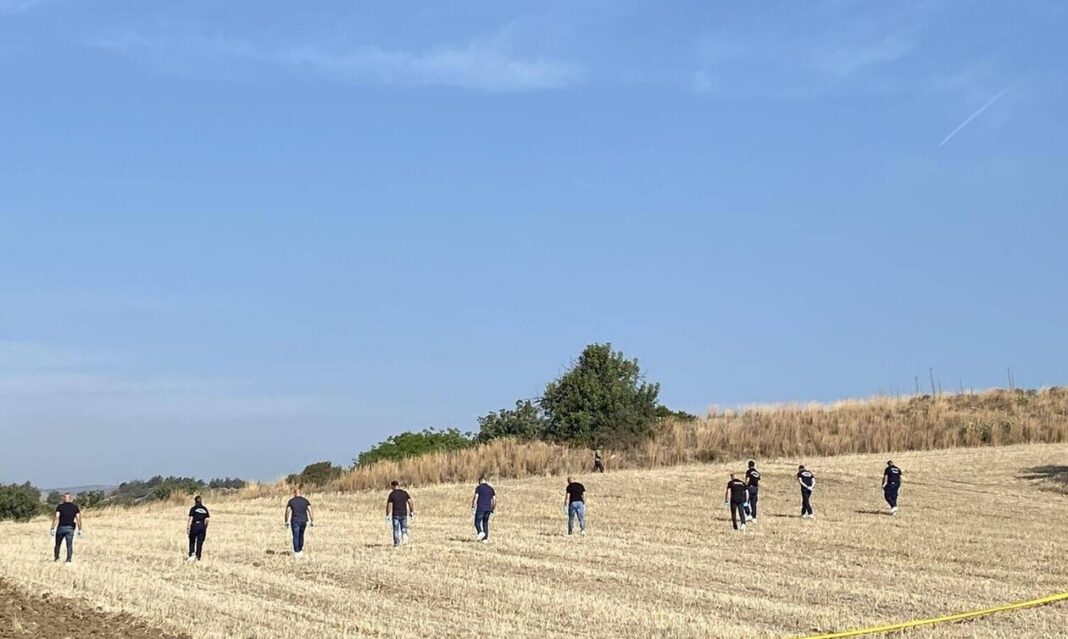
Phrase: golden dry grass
x=661 y=560
x=994 y=417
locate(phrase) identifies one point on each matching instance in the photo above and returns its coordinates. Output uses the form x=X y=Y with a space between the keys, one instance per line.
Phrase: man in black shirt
x=575 y=503
x=891 y=485
x=736 y=497
x=197 y=528
x=398 y=508
x=807 y=481
x=66 y=522
x=752 y=484
x=298 y=517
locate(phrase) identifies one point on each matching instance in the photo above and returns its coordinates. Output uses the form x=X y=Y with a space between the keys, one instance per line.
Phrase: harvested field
x=975 y=529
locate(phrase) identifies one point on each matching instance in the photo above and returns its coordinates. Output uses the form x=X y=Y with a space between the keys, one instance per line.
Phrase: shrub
x=317 y=474
x=410 y=444
x=524 y=423
x=20 y=502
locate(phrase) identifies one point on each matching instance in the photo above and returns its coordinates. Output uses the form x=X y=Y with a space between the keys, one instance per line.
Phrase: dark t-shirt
x=399 y=498
x=299 y=506
x=893 y=476
x=485 y=494
x=752 y=477
x=199 y=515
x=807 y=478
x=67 y=513
x=576 y=492
x=737 y=488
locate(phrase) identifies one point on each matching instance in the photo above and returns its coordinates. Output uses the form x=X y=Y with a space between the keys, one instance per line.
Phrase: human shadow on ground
x=872 y=512
x=1051 y=472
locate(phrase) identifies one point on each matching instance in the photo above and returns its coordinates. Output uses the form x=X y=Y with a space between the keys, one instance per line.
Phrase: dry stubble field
x=661 y=559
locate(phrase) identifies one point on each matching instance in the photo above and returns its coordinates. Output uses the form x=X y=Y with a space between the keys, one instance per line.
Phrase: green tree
x=20 y=502
x=602 y=400
x=317 y=474
x=54 y=498
x=91 y=498
x=411 y=444
x=525 y=422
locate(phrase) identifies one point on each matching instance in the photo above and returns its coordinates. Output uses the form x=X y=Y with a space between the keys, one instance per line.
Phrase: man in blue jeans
x=483 y=504
x=398 y=509
x=66 y=522
x=576 y=505
x=298 y=517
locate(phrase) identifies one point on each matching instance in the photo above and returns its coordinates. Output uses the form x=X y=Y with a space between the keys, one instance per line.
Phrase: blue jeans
x=65 y=533
x=482 y=518
x=890 y=494
x=298 y=534
x=576 y=509
x=400 y=527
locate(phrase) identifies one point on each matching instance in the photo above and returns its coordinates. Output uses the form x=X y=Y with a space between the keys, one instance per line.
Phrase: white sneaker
x=298 y=555
x=192 y=558
x=68 y=564
x=485 y=541
x=582 y=532
x=481 y=536
x=893 y=511
x=753 y=520
x=742 y=528
x=404 y=538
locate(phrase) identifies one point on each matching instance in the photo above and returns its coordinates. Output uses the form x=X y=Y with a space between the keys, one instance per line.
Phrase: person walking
x=752 y=485
x=66 y=523
x=299 y=517
x=736 y=497
x=197 y=528
x=575 y=504
x=483 y=504
x=891 y=485
x=398 y=509
x=807 y=481
x=598 y=461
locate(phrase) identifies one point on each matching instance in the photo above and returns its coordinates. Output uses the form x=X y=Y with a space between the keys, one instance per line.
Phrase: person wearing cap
x=483 y=504
x=197 y=528
x=736 y=498
x=65 y=524
x=752 y=485
x=891 y=485
x=807 y=481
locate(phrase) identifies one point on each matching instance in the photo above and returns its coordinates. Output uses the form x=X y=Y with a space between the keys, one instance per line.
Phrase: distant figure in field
x=598 y=461
x=575 y=496
x=736 y=497
x=752 y=484
x=891 y=485
x=398 y=508
x=66 y=522
x=197 y=528
x=483 y=504
x=807 y=481
x=298 y=517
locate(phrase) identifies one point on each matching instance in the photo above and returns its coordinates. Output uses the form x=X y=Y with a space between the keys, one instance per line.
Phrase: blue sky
x=240 y=237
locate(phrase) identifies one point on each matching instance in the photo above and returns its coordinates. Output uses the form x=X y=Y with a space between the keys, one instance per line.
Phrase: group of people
x=741 y=497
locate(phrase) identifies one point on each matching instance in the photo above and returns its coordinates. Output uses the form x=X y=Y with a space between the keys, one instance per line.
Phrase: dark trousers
x=196 y=540
x=598 y=466
x=753 y=494
x=65 y=533
x=806 y=507
x=298 y=535
x=890 y=494
x=482 y=518
x=737 y=513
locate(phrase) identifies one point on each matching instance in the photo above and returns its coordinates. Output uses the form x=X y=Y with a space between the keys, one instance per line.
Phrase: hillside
x=976 y=528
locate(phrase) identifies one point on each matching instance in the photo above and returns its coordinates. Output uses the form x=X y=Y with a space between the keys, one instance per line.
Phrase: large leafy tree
x=603 y=399
x=19 y=501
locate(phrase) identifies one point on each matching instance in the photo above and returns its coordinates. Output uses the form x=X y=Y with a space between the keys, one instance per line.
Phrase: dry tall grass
x=995 y=417
x=661 y=559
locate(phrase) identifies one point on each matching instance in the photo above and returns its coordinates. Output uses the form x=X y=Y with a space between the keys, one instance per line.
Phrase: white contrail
x=974 y=115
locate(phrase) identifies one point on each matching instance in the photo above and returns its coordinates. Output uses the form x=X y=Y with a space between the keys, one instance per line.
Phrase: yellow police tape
x=947 y=619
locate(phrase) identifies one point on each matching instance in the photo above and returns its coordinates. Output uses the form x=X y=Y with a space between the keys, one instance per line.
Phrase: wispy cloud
x=486 y=64
x=845 y=61
x=977 y=113
x=19 y=6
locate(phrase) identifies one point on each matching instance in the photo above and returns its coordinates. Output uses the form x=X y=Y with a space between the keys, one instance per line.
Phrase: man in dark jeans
x=197 y=528
x=807 y=481
x=752 y=483
x=891 y=485
x=298 y=517
x=736 y=497
x=598 y=461
x=483 y=504
x=398 y=509
x=576 y=505
x=66 y=522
